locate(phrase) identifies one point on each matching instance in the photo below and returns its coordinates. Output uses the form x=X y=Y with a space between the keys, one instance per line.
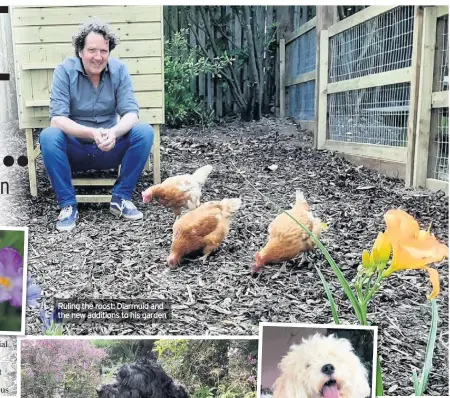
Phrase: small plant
x=411 y=248
x=203 y=392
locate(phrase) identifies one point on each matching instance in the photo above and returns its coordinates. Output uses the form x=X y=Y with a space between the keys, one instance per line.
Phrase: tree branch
x=251 y=45
x=237 y=93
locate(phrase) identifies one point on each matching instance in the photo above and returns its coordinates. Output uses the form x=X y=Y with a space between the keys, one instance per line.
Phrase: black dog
x=144 y=379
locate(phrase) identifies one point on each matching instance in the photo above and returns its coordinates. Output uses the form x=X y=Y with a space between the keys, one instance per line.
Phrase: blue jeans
x=63 y=154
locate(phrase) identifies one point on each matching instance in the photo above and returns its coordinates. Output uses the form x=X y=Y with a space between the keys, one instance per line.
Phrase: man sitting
x=89 y=91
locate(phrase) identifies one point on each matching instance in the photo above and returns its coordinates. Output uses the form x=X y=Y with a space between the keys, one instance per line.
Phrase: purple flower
x=11 y=276
x=251 y=379
x=33 y=293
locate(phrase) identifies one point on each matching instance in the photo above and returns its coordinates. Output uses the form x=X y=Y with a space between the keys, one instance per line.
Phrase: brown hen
x=202 y=229
x=178 y=192
x=286 y=238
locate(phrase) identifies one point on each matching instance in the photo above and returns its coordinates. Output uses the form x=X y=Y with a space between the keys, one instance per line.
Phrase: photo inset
x=124 y=368
x=315 y=361
x=13 y=256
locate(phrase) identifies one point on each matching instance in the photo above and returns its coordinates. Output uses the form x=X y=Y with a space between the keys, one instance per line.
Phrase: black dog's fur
x=144 y=379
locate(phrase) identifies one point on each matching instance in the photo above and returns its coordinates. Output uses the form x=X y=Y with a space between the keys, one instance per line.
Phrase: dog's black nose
x=328 y=369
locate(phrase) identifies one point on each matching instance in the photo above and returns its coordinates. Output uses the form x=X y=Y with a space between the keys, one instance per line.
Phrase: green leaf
x=430 y=347
x=330 y=297
x=379 y=383
x=416 y=384
x=14 y=239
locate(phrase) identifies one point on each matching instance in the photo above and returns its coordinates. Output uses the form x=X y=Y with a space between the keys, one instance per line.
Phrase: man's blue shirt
x=74 y=96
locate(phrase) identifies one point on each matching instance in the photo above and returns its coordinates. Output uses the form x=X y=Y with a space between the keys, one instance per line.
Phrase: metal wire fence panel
x=438 y=161
x=376 y=115
x=381 y=44
x=302 y=101
x=301 y=54
x=442 y=49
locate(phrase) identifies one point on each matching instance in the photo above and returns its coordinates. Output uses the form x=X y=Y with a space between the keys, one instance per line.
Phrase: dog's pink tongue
x=330 y=391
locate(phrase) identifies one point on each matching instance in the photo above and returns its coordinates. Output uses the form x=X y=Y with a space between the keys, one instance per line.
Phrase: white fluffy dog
x=322 y=367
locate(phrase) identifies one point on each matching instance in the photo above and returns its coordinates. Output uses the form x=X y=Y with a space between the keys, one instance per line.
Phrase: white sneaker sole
x=68 y=228
x=119 y=214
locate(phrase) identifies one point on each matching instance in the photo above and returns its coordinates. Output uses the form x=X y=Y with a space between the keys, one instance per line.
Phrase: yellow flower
x=382 y=249
x=380 y=254
x=413 y=248
x=366 y=260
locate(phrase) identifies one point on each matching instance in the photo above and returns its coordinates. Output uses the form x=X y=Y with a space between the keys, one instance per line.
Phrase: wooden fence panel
x=343 y=111
x=300 y=68
x=211 y=90
x=382 y=96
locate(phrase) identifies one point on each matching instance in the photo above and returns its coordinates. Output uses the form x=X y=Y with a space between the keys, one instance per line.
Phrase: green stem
x=364 y=314
x=374 y=289
x=359 y=292
x=368 y=283
x=379 y=383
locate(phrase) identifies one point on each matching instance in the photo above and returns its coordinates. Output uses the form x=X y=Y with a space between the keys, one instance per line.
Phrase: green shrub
x=182 y=64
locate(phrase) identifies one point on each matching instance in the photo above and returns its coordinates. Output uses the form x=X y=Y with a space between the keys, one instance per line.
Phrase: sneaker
x=126 y=209
x=67 y=218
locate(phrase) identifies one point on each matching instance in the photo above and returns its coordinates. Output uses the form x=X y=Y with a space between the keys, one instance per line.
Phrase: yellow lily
x=413 y=248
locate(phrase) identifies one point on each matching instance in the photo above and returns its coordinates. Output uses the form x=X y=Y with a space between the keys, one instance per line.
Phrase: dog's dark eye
x=308 y=365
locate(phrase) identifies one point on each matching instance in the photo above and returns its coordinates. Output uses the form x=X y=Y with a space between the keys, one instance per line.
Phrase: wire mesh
x=376 y=115
x=301 y=54
x=302 y=101
x=381 y=44
x=442 y=48
x=438 y=166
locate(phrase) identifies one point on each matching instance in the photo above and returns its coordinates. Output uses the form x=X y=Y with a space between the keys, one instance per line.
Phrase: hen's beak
x=146 y=197
x=254 y=269
x=172 y=262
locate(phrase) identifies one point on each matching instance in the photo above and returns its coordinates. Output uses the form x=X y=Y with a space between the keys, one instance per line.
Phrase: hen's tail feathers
x=202 y=174
x=232 y=205
x=299 y=196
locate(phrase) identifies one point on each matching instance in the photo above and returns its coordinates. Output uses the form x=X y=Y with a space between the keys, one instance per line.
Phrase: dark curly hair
x=97 y=26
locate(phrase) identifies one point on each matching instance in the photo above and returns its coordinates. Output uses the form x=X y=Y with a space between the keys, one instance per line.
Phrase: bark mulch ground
x=106 y=257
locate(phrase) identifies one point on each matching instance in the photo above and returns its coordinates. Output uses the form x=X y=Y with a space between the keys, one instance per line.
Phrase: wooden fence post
x=320 y=135
x=282 y=78
x=422 y=143
x=414 y=90
x=284 y=20
x=325 y=17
